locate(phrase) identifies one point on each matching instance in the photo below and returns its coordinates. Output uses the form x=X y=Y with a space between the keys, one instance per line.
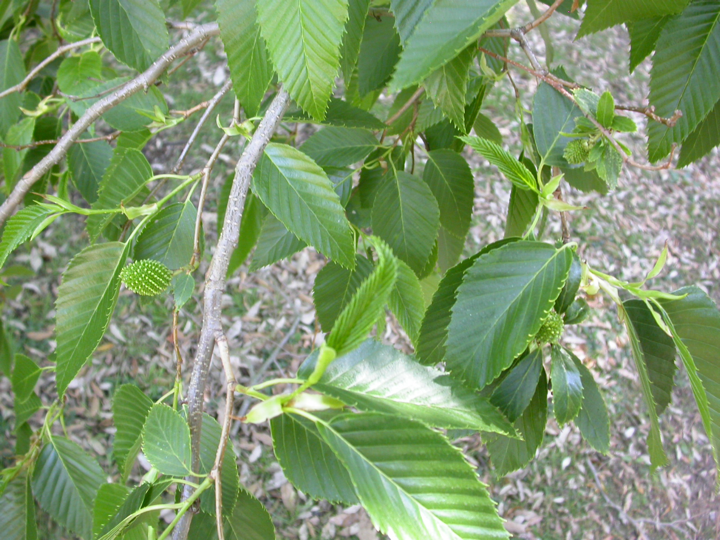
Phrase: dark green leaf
x=643 y=37
x=448 y=85
x=452 y=183
x=339 y=146
x=251 y=225
x=85 y=302
x=12 y=72
x=593 y=419
x=87 y=163
x=26 y=410
x=24 y=377
x=169 y=237
x=500 y=306
x=379 y=52
x=6 y=354
x=335 y=286
x=17 y=519
x=572 y=285
x=183 y=287
x=19 y=134
x=449 y=250
x=110 y=497
x=406 y=301
x=166 y=441
x=274 y=244
x=486 y=129
x=601 y=14
x=566 y=385
x=704 y=138
x=340 y=113
x=521 y=210
x=354 y=28
x=229 y=479
x=408 y=14
x=514 y=393
x=130 y=409
x=585 y=181
x=248 y=520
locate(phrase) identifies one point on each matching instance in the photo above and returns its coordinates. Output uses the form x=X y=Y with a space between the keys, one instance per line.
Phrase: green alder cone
x=146 y=277
x=576 y=152
x=551 y=330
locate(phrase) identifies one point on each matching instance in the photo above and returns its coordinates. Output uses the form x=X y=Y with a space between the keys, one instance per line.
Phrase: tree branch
x=215 y=282
x=650 y=113
x=141 y=82
x=507 y=33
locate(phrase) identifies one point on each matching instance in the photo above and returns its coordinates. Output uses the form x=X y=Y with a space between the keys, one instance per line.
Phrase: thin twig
x=141 y=82
x=114 y=135
x=650 y=113
x=409 y=103
x=203 y=119
x=19 y=87
x=215 y=283
x=528 y=27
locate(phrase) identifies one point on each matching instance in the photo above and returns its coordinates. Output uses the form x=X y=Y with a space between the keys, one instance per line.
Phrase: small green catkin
x=576 y=151
x=146 y=277
x=551 y=330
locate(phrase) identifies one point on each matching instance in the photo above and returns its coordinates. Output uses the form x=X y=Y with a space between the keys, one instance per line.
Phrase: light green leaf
x=376 y=377
x=339 y=146
x=133 y=30
x=303 y=38
x=406 y=216
x=130 y=409
x=299 y=193
x=308 y=462
x=696 y=320
x=110 y=497
x=274 y=244
x=447 y=27
x=169 y=237
x=65 y=483
x=501 y=304
x=12 y=72
x=85 y=303
x=229 y=478
x=566 y=386
x=601 y=14
x=512 y=169
x=20 y=227
x=448 y=84
x=509 y=454
x=183 y=287
x=412 y=493
x=250 y=68
x=188 y=6
x=87 y=163
x=354 y=28
x=658 y=352
x=406 y=301
x=123 y=180
x=452 y=183
x=643 y=38
x=683 y=75
x=335 y=287
x=19 y=134
x=704 y=138
x=360 y=314
x=379 y=52
x=514 y=393
x=606 y=110
x=408 y=14
x=166 y=441
x=17 y=519
x=339 y=113
x=24 y=377
x=78 y=74
x=521 y=210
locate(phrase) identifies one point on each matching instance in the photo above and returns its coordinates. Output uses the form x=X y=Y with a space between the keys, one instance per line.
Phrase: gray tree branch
x=141 y=82
x=215 y=283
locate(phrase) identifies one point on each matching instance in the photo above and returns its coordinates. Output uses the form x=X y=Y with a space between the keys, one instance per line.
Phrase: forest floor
x=569 y=491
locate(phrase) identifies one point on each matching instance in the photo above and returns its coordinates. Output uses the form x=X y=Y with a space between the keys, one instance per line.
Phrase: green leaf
x=449 y=250
x=250 y=68
x=585 y=181
x=133 y=30
x=406 y=301
x=658 y=352
x=704 y=138
x=406 y=216
x=26 y=410
x=6 y=353
x=354 y=28
x=572 y=285
x=601 y=14
x=509 y=454
x=188 y=6
x=514 y=393
x=360 y=314
x=248 y=520
x=183 y=287
x=379 y=52
x=299 y=194
x=593 y=419
x=411 y=480
x=452 y=183
x=12 y=72
x=85 y=303
x=19 y=134
x=65 y=483
x=24 y=377
x=166 y=441
x=606 y=110
x=683 y=75
x=486 y=129
x=303 y=38
x=20 y=227
x=110 y=497
x=655 y=447
x=335 y=287
x=210 y=436
x=123 y=180
x=408 y=14
x=169 y=237
x=512 y=169
x=143 y=495
x=339 y=113
x=566 y=385
x=446 y=27
x=448 y=85
x=308 y=462
x=521 y=210
x=696 y=320
x=87 y=163
x=130 y=408
x=274 y=244
x=251 y=225
x=643 y=37
x=501 y=304
x=78 y=74
x=376 y=377
x=339 y=146
x=17 y=520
